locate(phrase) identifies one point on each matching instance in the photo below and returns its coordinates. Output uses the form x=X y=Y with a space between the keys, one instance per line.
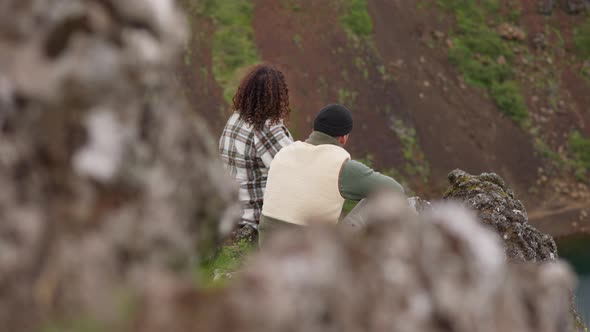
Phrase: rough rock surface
x=496 y=206
x=545 y=7
x=104 y=175
x=511 y=32
x=576 y=6
x=438 y=271
x=569 y=6
x=418 y=204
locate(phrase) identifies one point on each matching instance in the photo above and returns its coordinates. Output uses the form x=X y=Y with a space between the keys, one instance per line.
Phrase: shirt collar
x=319 y=138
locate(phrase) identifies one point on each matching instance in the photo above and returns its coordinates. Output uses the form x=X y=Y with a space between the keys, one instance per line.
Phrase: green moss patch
x=483 y=57
x=226 y=260
x=234 y=48
x=580 y=149
x=356 y=18
x=582 y=40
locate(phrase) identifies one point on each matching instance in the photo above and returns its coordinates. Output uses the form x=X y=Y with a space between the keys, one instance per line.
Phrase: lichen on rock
x=496 y=206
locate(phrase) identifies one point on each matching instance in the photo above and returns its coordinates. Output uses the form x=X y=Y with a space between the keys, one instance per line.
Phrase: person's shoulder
x=236 y=123
x=235 y=118
x=272 y=126
x=357 y=167
x=275 y=129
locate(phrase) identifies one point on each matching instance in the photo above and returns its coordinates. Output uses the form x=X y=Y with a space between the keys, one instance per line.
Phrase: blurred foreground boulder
x=106 y=179
x=438 y=271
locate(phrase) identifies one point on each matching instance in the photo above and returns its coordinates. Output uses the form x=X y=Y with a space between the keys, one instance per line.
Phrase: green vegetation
x=293 y=5
x=361 y=65
x=580 y=148
x=356 y=18
x=545 y=151
x=385 y=75
x=233 y=49
x=346 y=97
x=483 y=57
x=83 y=325
x=348 y=206
x=514 y=9
x=226 y=260
x=298 y=40
x=416 y=161
x=508 y=97
x=582 y=39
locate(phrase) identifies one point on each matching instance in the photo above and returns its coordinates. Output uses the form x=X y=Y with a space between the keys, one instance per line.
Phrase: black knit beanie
x=334 y=120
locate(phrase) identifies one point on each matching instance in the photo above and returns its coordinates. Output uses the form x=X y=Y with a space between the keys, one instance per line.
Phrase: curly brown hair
x=263 y=96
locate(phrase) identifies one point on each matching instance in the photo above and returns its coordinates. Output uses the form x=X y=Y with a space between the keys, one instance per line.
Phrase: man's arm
x=357 y=181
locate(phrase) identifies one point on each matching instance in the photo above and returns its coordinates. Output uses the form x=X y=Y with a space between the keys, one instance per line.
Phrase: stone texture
x=105 y=175
x=573 y=7
x=418 y=204
x=441 y=270
x=511 y=32
x=576 y=6
x=496 y=206
x=545 y=7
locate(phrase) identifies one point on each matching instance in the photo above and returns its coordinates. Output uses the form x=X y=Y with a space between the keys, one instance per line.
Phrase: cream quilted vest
x=303 y=184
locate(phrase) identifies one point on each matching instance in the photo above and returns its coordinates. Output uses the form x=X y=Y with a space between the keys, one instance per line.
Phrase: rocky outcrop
x=438 y=271
x=104 y=174
x=496 y=206
x=569 y=6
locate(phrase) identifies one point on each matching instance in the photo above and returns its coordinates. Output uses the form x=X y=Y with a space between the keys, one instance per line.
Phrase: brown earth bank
x=323 y=68
x=457 y=125
x=402 y=74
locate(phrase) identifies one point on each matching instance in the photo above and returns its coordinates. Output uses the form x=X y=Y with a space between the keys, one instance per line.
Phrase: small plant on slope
x=582 y=39
x=483 y=57
x=233 y=48
x=580 y=148
x=356 y=18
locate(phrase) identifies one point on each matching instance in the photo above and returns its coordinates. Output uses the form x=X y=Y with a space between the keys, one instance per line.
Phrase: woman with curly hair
x=254 y=134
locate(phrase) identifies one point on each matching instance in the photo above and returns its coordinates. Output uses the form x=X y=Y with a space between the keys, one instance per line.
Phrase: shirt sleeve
x=270 y=141
x=357 y=181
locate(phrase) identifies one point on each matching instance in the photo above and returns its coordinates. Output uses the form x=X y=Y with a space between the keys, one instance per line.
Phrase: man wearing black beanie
x=334 y=120
x=309 y=181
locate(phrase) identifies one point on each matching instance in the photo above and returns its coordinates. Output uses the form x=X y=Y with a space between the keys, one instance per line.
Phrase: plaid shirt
x=247 y=153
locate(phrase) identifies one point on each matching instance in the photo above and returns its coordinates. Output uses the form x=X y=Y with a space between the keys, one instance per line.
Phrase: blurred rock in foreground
x=106 y=179
x=438 y=271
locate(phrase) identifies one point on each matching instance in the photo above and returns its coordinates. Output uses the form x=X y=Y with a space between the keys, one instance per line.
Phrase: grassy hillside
x=233 y=49
x=484 y=58
x=433 y=86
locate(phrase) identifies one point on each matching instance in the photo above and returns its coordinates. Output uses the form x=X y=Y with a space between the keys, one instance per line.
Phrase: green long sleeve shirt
x=357 y=181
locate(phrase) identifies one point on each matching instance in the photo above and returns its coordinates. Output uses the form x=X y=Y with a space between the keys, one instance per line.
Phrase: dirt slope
x=456 y=128
x=322 y=70
x=414 y=114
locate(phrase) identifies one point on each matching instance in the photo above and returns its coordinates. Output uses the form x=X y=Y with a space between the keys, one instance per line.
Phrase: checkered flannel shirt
x=247 y=153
